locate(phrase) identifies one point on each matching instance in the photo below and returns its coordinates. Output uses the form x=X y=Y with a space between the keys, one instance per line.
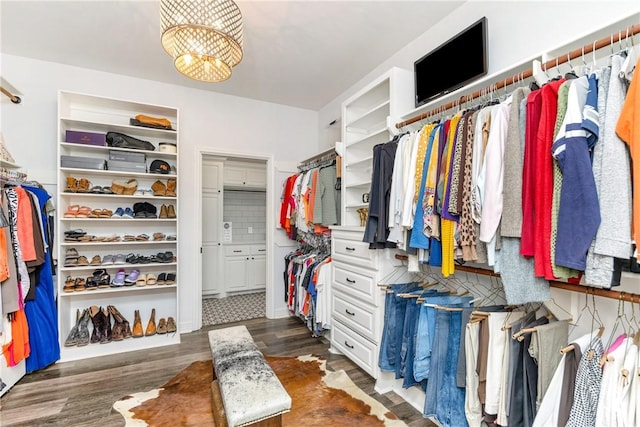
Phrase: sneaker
x=128 y=213
x=118 y=213
x=132 y=277
x=118 y=280
x=108 y=260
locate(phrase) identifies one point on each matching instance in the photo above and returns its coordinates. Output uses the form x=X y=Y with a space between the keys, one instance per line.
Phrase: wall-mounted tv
x=460 y=60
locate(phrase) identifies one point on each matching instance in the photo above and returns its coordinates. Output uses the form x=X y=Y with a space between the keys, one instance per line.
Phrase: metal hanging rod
x=606 y=293
x=574 y=54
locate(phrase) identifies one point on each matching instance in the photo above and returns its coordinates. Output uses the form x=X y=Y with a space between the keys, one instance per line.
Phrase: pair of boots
x=101 y=319
x=137 y=325
x=167 y=211
x=79 y=334
x=160 y=189
x=121 y=328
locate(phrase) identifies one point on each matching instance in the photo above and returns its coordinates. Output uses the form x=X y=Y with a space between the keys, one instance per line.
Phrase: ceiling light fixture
x=204 y=37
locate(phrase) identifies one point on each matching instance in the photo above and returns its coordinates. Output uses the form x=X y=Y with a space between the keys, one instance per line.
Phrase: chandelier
x=204 y=37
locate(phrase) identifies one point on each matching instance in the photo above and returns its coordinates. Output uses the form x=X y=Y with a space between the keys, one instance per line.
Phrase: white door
x=211 y=222
x=258 y=271
x=235 y=273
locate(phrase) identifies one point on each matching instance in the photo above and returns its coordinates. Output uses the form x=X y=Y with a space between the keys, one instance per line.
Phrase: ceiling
x=298 y=53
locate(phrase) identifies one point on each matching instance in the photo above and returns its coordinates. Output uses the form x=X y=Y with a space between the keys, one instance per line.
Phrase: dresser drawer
x=355 y=282
x=258 y=249
x=364 y=353
x=358 y=317
x=232 y=250
x=352 y=251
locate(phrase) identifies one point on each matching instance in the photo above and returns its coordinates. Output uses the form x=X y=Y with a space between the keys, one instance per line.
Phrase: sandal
x=142 y=280
x=96 y=260
x=72 y=185
x=142 y=237
x=95 y=213
x=158 y=236
x=97 y=190
x=82 y=261
x=71 y=253
x=69 y=284
x=106 y=213
x=171 y=279
x=83 y=212
x=151 y=279
x=101 y=277
x=71 y=262
x=162 y=279
x=72 y=211
x=91 y=284
x=79 y=285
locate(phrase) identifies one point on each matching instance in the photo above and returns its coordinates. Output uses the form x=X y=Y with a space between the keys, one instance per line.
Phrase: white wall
x=517 y=31
x=228 y=123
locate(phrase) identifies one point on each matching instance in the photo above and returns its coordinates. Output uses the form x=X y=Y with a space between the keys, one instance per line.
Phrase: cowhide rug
x=319 y=398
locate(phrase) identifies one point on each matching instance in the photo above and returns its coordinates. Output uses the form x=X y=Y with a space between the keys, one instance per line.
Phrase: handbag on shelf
x=120 y=140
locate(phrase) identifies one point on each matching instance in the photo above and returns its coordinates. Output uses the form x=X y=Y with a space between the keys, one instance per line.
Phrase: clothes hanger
x=571 y=74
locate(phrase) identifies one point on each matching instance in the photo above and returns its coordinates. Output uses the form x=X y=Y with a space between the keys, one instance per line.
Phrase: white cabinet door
x=211 y=269
x=211 y=176
x=257 y=272
x=256 y=177
x=235 y=273
x=211 y=215
x=234 y=175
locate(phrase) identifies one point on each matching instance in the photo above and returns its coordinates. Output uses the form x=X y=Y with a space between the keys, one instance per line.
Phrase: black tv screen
x=453 y=64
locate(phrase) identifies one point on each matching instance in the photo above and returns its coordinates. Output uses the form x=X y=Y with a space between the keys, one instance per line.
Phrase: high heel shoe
x=151 y=326
x=171 y=325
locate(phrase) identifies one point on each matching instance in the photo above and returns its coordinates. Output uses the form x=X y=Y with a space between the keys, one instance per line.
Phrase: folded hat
x=159 y=166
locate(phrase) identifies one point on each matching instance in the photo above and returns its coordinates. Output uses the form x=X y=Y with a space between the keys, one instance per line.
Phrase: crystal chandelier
x=204 y=37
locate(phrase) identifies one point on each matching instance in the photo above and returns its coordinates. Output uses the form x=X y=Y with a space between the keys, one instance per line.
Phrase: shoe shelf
x=119 y=219
x=121 y=243
x=106 y=172
x=96 y=114
x=103 y=127
x=115 y=266
x=134 y=288
x=116 y=196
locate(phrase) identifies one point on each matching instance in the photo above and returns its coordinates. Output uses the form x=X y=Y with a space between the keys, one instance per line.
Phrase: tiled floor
x=216 y=311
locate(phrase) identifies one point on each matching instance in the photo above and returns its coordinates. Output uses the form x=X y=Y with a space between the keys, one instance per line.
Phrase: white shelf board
x=117 y=219
x=68 y=354
x=70 y=270
x=362 y=117
x=115 y=196
x=74 y=124
x=120 y=243
x=99 y=148
x=371 y=134
x=358 y=164
x=357 y=206
x=117 y=173
x=119 y=289
x=9 y=165
x=357 y=184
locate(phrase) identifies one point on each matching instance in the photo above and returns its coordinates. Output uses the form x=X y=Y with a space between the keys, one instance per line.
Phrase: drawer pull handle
x=348 y=345
x=237 y=252
x=349 y=313
x=350 y=281
x=350 y=249
x=262 y=250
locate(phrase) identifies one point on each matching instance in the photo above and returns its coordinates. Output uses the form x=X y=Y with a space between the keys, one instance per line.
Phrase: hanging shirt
x=397 y=191
x=579 y=211
x=529 y=172
x=628 y=129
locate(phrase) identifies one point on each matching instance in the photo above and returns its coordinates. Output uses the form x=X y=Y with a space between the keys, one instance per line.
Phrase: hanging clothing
x=628 y=130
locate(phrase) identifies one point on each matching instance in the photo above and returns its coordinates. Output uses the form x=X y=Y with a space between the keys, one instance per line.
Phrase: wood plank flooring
x=81 y=393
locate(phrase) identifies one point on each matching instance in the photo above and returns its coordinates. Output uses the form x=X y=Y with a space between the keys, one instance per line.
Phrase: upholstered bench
x=246 y=391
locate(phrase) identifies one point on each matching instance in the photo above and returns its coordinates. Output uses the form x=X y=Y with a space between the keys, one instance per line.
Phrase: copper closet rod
x=574 y=54
x=619 y=295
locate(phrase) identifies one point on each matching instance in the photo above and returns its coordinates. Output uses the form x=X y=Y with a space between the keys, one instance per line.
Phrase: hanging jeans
x=389 y=343
x=445 y=400
x=426 y=330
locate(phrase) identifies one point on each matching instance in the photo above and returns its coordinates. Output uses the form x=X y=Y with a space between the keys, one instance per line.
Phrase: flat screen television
x=460 y=60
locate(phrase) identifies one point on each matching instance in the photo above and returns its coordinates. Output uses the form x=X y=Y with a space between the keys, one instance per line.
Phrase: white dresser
x=357 y=300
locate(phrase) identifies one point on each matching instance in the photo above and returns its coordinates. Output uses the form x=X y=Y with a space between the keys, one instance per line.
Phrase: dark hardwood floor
x=81 y=393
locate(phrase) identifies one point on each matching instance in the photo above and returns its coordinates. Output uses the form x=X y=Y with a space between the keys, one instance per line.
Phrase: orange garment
x=25 y=225
x=4 y=256
x=628 y=129
x=18 y=349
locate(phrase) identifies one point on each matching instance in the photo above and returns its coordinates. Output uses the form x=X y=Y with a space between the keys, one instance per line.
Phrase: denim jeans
x=389 y=343
x=407 y=351
x=438 y=359
x=426 y=330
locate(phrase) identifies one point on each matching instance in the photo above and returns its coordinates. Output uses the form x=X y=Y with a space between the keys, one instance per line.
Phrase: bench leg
x=219 y=417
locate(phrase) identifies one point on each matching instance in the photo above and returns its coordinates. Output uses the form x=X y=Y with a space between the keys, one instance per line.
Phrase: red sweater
x=543 y=195
x=534 y=103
